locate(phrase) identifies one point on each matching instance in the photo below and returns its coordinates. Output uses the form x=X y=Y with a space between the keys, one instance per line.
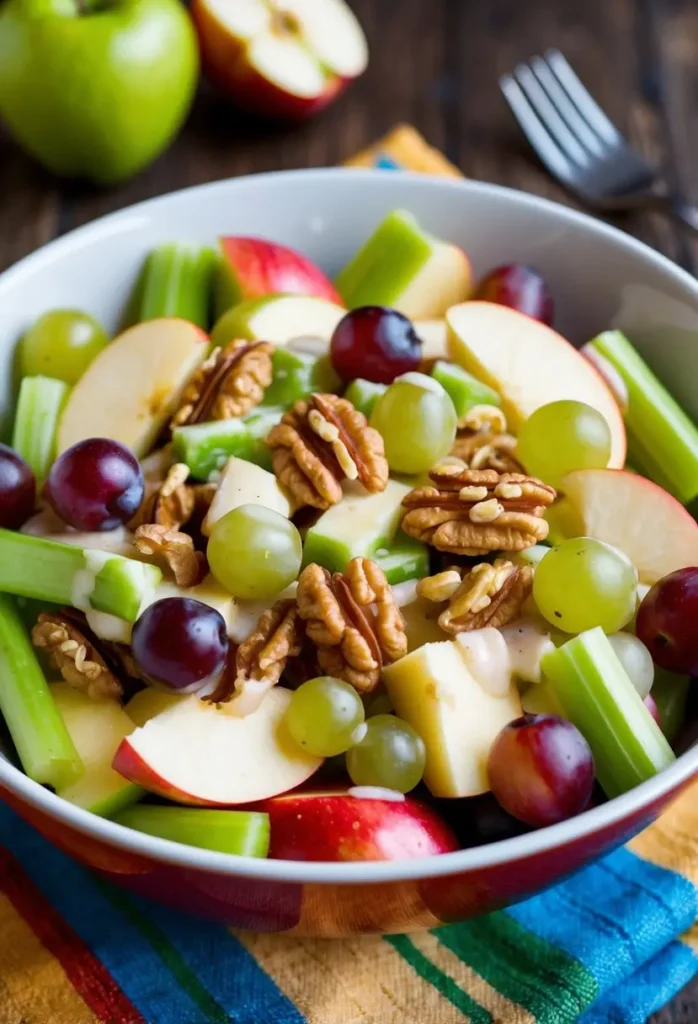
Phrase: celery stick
x=205 y=447
x=464 y=390
x=297 y=375
x=65 y=574
x=404 y=559
x=363 y=394
x=245 y=833
x=662 y=439
x=177 y=280
x=597 y=696
x=40 y=403
x=670 y=693
x=47 y=753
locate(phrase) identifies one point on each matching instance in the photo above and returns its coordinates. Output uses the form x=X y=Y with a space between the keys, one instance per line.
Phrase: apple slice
x=434 y=337
x=530 y=365
x=280 y=58
x=253 y=268
x=199 y=754
x=434 y=689
x=279 y=319
x=657 y=533
x=96 y=727
x=133 y=386
x=402 y=266
x=359 y=824
x=244 y=483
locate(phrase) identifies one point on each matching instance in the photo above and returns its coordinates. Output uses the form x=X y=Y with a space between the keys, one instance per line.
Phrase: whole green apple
x=96 y=88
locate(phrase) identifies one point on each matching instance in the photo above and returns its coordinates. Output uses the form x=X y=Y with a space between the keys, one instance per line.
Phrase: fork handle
x=682 y=212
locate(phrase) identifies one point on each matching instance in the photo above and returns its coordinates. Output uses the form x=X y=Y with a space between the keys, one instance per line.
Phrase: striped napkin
x=612 y=944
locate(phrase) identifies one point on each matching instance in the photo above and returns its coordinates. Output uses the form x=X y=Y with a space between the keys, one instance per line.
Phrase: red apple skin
x=334 y=826
x=256 y=268
x=651 y=705
x=666 y=621
x=225 y=64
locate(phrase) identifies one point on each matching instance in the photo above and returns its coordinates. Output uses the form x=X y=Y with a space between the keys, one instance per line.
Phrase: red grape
x=375 y=343
x=541 y=769
x=519 y=287
x=17 y=489
x=651 y=705
x=666 y=621
x=181 y=644
x=95 y=485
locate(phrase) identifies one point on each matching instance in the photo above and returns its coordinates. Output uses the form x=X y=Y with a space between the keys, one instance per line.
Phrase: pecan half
x=473 y=512
x=229 y=383
x=319 y=443
x=75 y=656
x=170 y=503
x=173 y=551
x=487 y=451
x=353 y=620
x=261 y=659
x=487 y=595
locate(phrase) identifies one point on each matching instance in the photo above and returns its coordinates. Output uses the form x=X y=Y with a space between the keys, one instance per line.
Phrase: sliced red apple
x=530 y=365
x=358 y=824
x=280 y=58
x=656 y=532
x=280 y=319
x=199 y=754
x=434 y=337
x=133 y=386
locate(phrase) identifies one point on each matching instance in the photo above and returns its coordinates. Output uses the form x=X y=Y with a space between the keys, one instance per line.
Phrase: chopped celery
x=65 y=574
x=40 y=403
x=464 y=390
x=670 y=693
x=47 y=753
x=403 y=559
x=206 y=447
x=662 y=439
x=297 y=375
x=597 y=696
x=245 y=833
x=177 y=280
x=363 y=394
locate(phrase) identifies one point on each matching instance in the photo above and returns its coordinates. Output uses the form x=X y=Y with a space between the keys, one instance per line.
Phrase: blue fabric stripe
x=224 y=967
x=386 y=163
x=650 y=988
x=613 y=916
x=128 y=957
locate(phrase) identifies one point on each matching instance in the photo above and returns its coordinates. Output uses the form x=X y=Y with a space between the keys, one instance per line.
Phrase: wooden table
x=435 y=63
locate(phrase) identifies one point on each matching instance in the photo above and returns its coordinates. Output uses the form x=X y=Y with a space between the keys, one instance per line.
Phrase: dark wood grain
x=435 y=64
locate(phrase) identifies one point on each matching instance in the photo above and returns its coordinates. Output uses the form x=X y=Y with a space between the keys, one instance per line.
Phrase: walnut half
x=487 y=595
x=353 y=620
x=229 y=383
x=173 y=551
x=75 y=657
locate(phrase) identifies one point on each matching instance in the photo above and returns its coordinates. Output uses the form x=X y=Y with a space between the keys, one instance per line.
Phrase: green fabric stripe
x=170 y=957
x=509 y=957
x=441 y=982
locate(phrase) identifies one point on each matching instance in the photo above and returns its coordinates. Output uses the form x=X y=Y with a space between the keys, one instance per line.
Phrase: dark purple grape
x=95 y=485
x=375 y=343
x=17 y=489
x=541 y=769
x=180 y=644
x=519 y=287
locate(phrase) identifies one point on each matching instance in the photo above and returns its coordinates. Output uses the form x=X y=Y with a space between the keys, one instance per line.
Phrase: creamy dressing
x=376 y=793
x=85 y=578
x=486 y=655
x=528 y=641
x=109 y=627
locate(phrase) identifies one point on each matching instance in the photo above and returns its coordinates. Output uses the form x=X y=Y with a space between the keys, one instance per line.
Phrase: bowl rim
x=364 y=872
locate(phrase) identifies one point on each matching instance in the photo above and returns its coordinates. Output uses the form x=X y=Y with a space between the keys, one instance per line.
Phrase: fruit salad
x=371 y=568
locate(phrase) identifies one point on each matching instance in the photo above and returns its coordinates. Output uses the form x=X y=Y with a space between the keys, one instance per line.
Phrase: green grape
x=61 y=344
x=417 y=422
x=324 y=715
x=583 y=583
x=635 y=659
x=530 y=557
x=563 y=436
x=390 y=754
x=254 y=552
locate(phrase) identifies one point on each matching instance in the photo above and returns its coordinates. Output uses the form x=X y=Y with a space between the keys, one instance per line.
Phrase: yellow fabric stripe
x=501 y=1008
x=672 y=841
x=36 y=983
x=353 y=981
x=691 y=938
x=9 y=1011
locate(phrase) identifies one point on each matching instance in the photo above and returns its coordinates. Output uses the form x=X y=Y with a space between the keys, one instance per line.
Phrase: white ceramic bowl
x=600 y=278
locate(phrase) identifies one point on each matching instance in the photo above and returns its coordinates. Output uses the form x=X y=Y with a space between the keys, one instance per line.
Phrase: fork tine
x=566 y=109
x=543 y=143
x=587 y=106
x=549 y=116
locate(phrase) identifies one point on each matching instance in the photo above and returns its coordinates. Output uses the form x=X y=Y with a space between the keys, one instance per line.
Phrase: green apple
x=464 y=390
x=363 y=394
x=297 y=375
x=404 y=267
x=96 y=727
x=279 y=319
x=244 y=833
x=243 y=483
x=96 y=89
x=403 y=559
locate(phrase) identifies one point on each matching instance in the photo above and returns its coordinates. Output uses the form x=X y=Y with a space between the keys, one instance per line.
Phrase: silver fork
x=580 y=146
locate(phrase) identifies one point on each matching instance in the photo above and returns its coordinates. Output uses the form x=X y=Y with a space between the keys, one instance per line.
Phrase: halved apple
x=530 y=365
x=656 y=532
x=133 y=386
x=199 y=754
x=252 y=268
x=279 y=319
x=280 y=58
